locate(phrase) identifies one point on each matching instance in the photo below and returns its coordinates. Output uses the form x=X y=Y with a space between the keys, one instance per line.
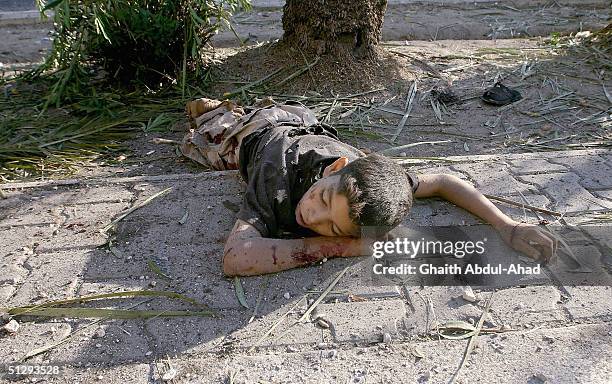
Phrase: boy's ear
x=335 y=166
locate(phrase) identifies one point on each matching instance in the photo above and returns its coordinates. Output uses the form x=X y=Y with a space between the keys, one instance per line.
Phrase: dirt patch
x=563 y=94
x=329 y=75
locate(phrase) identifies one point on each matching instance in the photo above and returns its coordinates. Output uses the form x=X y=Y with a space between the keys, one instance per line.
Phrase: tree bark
x=334 y=26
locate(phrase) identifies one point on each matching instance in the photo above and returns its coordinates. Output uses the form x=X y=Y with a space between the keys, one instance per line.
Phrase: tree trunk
x=334 y=26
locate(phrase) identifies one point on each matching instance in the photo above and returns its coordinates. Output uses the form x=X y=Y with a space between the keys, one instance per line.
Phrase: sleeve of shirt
x=413 y=179
x=256 y=208
x=263 y=197
x=251 y=216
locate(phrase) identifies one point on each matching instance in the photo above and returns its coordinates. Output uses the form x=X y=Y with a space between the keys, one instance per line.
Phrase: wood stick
x=521 y=205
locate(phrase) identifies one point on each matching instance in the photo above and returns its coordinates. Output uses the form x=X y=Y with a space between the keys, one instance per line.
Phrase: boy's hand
x=530 y=240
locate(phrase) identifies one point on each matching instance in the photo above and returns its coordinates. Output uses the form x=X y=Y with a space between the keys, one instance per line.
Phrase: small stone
x=321 y=322
x=541 y=377
x=548 y=339
x=291 y=349
x=519 y=306
x=209 y=207
x=98 y=345
x=148 y=353
x=11 y=327
x=416 y=352
x=538 y=348
x=99 y=333
x=469 y=295
x=100 y=377
x=332 y=353
x=403 y=154
x=386 y=338
x=153 y=283
x=287 y=295
x=169 y=374
x=425 y=377
x=141 y=278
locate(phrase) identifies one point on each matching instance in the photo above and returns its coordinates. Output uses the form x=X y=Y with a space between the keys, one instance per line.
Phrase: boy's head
x=372 y=191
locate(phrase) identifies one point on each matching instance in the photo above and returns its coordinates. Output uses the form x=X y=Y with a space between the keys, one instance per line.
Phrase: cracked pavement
x=52 y=249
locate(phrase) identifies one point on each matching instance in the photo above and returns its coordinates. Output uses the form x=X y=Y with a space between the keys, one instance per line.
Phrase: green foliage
x=145 y=41
x=555 y=39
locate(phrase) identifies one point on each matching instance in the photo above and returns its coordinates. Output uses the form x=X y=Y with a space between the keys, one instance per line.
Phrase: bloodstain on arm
x=322 y=249
x=247 y=253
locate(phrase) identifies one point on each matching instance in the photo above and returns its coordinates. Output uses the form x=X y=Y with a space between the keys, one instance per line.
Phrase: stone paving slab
x=51 y=248
x=513 y=358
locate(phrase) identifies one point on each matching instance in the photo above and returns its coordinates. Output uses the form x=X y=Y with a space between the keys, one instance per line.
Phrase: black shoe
x=500 y=95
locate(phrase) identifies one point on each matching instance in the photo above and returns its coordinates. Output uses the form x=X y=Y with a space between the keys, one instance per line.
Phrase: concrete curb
x=24 y=17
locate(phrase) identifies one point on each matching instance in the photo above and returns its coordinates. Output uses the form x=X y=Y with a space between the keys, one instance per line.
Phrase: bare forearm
x=464 y=195
x=264 y=255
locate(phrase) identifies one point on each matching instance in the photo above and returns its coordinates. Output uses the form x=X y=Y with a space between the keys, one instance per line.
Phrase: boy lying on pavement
x=308 y=194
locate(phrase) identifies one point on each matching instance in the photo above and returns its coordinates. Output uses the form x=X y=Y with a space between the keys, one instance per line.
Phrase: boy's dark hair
x=378 y=191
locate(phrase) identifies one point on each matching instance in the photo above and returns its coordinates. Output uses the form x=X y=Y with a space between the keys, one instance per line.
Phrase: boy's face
x=323 y=209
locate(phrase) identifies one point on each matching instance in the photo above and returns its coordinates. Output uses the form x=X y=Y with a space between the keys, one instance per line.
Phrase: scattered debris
x=240 y=293
x=408 y=109
x=548 y=339
x=386 y=338
x=132 y=209
x=444 y=95
x=170 y=374
x=99 y=333
x=474 y=338
x=157 y=270
x=323 y=322
x=49 y=309
x=323 y=294
x=456 y=330
x=278 y=322
x=416 y=352
x=521 y=205
x=540 y=377
x=183 y=219
x=11 y=327
x=469 y=295
x=262 y=290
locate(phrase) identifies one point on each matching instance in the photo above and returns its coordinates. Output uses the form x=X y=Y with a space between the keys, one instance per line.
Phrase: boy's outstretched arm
x=247 y=253
x=525 y=238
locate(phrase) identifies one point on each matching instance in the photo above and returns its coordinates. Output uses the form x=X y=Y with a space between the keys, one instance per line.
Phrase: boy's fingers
x=546 y=246
x=528 y=250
